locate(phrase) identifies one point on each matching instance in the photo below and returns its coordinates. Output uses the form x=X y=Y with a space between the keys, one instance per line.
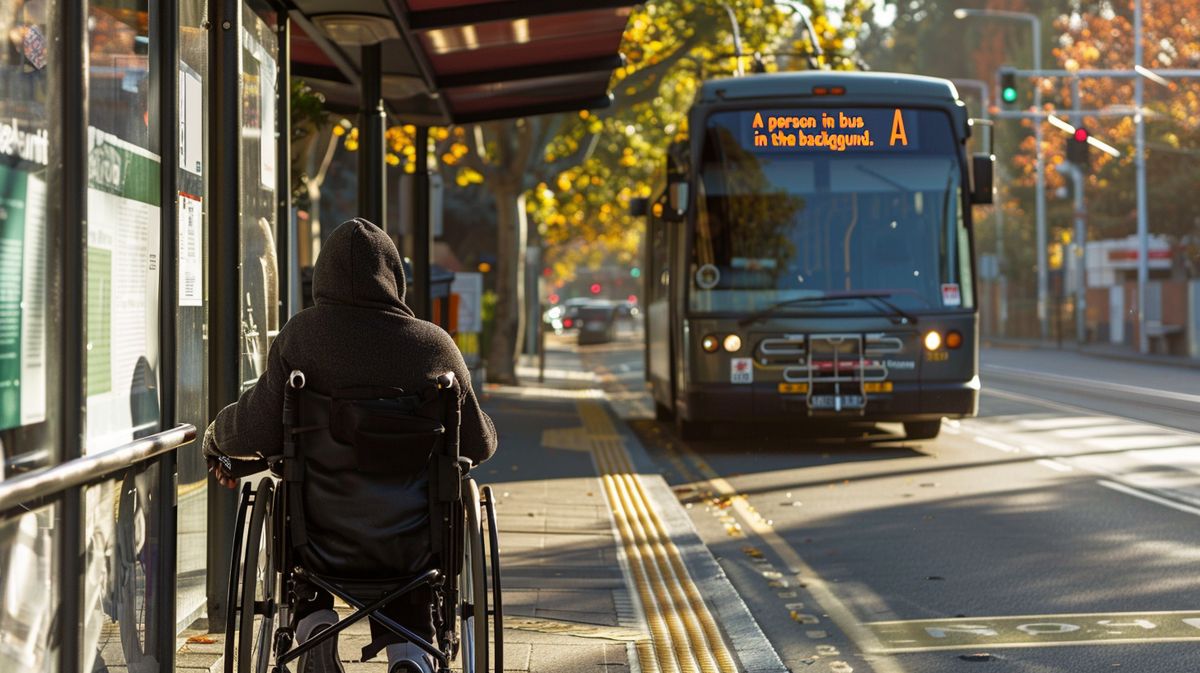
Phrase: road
x=1057 y=531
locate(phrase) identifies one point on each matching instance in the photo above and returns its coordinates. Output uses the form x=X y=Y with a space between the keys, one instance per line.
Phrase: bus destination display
x=830 y=130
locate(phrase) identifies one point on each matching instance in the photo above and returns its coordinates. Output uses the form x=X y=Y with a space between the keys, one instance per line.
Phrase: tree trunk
x=510 y=288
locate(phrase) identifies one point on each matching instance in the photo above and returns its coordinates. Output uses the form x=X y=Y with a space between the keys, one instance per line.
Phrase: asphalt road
x=1057 y=531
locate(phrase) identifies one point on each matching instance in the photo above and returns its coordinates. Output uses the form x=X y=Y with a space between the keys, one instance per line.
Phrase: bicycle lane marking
x=927 y=635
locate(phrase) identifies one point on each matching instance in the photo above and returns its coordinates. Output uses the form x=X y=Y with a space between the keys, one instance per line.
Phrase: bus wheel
x=662 y=412
x=922 y=429
x=690 y=429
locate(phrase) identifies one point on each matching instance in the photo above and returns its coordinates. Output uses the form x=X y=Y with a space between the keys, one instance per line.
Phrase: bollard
x=541 y=347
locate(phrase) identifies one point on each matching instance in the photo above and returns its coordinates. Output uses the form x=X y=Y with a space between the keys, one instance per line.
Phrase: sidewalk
x=602 y=571
x=1106 y=351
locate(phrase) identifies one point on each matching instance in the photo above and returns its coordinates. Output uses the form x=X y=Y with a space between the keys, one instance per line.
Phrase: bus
x=809 y=255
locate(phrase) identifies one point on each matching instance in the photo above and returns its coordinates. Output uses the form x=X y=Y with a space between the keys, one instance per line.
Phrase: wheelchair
x=399 y=512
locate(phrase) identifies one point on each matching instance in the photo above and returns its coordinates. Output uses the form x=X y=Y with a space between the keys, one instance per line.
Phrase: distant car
x=565 y=316
x=597 y=323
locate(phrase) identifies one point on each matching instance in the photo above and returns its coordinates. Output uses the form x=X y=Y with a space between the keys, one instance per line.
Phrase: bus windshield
x=797 y=203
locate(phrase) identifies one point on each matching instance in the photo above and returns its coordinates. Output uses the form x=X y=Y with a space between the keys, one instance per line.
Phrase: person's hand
x=222 y=475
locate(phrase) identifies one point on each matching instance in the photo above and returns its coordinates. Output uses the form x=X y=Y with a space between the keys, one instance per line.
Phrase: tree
x=575 y=173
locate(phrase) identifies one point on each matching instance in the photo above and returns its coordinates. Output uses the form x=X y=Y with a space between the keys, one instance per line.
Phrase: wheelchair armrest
x=465 y=464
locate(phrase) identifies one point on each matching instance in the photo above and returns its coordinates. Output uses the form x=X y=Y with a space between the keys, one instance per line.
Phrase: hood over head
x=360 y=266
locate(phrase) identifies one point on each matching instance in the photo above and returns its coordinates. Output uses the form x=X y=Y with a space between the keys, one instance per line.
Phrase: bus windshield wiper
x=880 y=297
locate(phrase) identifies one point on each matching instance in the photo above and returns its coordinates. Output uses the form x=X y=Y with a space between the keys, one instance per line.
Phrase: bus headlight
x=733 y=343
x=933 y=340
x=710 y=344
x=953 y=339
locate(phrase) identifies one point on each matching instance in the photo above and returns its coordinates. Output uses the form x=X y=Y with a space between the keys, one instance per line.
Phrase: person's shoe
x=324 y=657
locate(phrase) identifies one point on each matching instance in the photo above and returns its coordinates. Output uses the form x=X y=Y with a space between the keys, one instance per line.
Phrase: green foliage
x=487 y=314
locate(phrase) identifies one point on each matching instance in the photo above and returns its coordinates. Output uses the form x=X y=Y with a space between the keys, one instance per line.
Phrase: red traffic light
x=595 y=288
x=553 y=298
x=1081 y=135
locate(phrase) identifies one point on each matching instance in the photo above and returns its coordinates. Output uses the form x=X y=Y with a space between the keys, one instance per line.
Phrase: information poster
x=191 y=121
x=191 y=252
x=122 y=290
x=266 y=89
x=259 y=105
x=22 y=298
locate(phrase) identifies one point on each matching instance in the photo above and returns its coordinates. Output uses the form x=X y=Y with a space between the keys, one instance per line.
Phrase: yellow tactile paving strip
x=684 y=637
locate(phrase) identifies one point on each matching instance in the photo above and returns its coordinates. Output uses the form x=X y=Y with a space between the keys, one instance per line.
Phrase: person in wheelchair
x=359 y=336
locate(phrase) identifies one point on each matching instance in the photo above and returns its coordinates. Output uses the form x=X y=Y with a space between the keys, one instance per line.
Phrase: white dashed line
x=1053 y=465
x=998 y=445
x=1149 y=497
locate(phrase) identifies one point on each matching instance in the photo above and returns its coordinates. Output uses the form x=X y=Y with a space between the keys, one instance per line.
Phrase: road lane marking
x=1150 y=497
x=925 y=635
x=1092 y=417
x=998 y=445
x=1094 y=386
x=1054 y=465
x=836 y=610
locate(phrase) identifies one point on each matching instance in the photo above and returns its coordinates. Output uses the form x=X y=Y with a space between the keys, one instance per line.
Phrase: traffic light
x=635 y=272
x=595 y=288
x=1008 y=88
x=1077 y=149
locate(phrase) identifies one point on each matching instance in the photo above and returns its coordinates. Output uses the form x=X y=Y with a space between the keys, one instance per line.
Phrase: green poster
x=99 y=321
x=12 y=248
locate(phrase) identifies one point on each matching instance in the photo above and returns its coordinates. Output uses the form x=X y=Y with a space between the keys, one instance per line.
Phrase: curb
x=1103 y=354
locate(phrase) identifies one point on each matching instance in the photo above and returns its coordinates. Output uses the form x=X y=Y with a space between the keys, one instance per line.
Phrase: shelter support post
x=420 y=296
x=372 y=152
x=224 y=277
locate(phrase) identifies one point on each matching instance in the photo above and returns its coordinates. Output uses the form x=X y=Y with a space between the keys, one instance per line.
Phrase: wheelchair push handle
x=296 y=379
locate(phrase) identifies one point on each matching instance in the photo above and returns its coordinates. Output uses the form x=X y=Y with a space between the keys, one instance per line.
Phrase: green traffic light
x=635 y=272
x=1009 y=94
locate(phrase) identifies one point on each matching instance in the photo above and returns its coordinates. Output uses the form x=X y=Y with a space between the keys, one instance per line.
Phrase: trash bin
x=440 y=279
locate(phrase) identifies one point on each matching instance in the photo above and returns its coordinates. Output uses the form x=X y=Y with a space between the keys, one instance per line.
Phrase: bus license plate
x=836 y=402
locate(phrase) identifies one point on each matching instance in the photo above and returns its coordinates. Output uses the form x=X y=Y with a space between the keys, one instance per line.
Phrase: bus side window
x=659 y=251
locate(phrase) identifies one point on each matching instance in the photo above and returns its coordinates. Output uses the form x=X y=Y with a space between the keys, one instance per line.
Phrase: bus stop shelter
x=450 y=62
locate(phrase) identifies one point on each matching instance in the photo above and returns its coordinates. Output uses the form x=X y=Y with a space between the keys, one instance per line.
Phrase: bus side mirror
x=677 y=196
x=982 y=168
x=639 y=206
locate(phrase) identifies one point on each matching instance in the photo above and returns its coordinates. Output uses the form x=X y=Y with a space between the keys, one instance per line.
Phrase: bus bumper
x=763 y=402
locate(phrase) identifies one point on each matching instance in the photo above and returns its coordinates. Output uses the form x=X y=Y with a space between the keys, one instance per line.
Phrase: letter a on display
x=757 y=121
x=898 y=132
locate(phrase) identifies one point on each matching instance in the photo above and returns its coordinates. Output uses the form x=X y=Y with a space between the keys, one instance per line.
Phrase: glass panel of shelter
x=191 y=390
x=259 y=178
x=122 y=351
x=29 y=248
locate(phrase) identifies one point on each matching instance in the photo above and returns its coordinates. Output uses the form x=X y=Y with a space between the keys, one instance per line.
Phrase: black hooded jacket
x=359 y=334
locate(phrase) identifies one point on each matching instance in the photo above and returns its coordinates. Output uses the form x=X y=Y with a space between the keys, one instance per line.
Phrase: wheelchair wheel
x=497 y=611
x=472 y=587
x=252 y=583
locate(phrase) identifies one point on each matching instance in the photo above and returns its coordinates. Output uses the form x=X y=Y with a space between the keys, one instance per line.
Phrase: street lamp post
x=1042 y=275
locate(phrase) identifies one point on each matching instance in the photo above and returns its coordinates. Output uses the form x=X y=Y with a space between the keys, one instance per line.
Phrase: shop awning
x=463 y=61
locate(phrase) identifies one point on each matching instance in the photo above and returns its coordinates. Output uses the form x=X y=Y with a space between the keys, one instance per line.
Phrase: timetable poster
x=22 y=298
x=122 y=291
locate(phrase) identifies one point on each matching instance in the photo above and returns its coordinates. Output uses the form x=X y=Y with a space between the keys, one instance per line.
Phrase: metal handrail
x=90 y=468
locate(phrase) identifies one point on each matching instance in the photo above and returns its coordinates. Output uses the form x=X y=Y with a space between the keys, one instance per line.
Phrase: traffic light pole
x=1143 y=227
x=1078 y=175
x=1043 y=274
x=1138 y=74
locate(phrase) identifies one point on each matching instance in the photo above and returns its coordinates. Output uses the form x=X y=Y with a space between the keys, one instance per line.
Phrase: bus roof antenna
x=737 y=37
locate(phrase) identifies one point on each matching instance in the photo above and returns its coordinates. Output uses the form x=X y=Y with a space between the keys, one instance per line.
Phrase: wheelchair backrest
x=366 y=476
